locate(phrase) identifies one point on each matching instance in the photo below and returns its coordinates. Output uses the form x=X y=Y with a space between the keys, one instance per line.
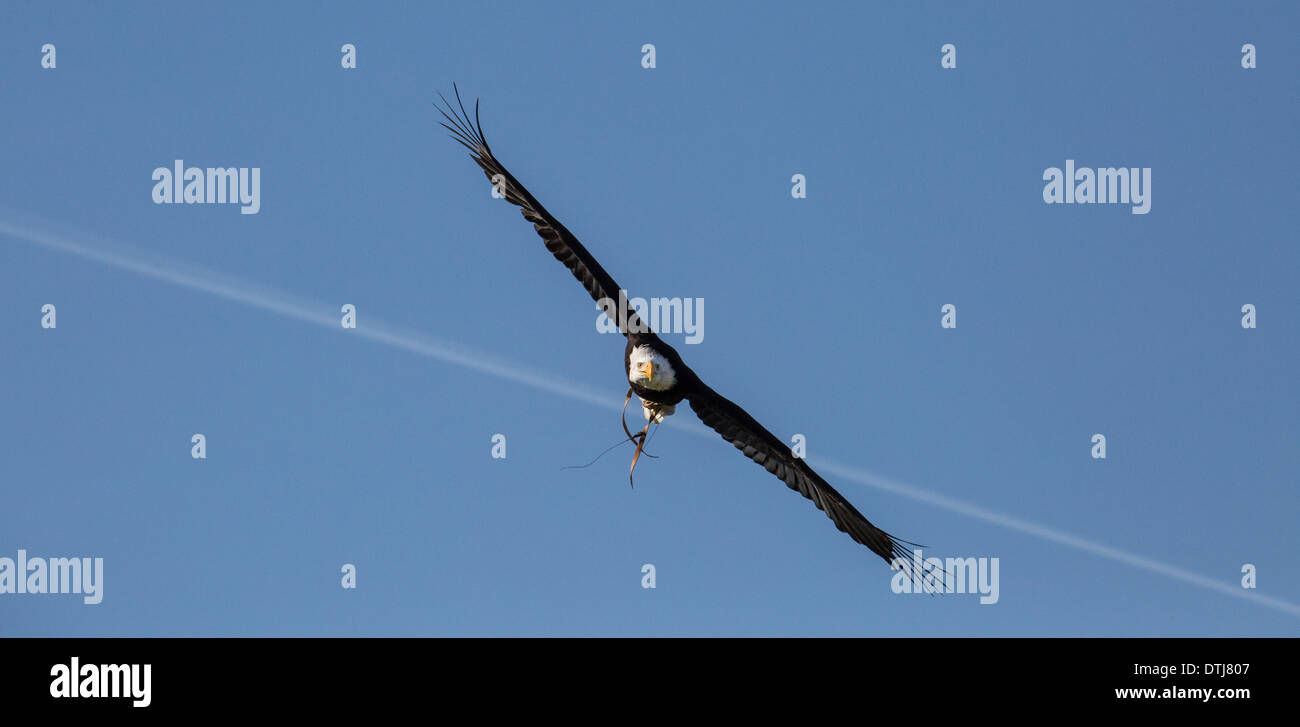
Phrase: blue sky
x=822 y=316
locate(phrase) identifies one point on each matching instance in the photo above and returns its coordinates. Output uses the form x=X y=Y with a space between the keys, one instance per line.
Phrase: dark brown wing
x=562 y=244
x=738 y=427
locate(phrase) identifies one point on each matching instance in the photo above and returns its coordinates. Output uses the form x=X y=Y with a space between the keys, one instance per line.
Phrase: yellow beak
x=648 y=369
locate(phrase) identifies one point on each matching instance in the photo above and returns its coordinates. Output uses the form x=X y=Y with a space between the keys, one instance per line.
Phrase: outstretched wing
x=562 y=244
x=738 y=427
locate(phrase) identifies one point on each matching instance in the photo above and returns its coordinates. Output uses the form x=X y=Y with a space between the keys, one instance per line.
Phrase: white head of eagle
x=646 y=367
x=649 y=369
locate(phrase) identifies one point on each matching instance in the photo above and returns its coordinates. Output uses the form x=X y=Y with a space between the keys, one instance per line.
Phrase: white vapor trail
x=327 y=316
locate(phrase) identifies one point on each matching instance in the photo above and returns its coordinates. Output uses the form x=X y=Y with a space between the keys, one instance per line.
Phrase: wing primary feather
x=479 y=124
x=465 y=114
x=459 y=132
x=459 y=140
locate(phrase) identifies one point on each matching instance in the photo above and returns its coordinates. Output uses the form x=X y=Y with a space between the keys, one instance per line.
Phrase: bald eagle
x=654 y=369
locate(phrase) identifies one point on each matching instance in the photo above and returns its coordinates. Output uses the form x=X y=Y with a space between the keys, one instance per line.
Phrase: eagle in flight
x=656 y=372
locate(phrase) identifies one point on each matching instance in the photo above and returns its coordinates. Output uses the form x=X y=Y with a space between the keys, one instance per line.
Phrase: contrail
x=1011 y=522
x=327 y=316
x=320 y=314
